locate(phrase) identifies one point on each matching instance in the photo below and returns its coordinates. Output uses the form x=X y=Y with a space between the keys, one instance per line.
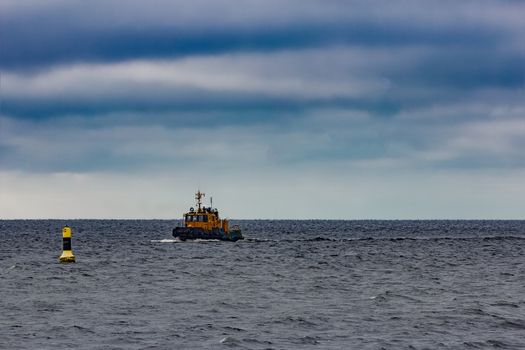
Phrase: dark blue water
x=289 y=285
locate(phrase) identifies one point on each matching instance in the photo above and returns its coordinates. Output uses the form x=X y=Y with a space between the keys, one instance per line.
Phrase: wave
x=514 y=323
x=172 y=240
x=392 y=239
x=177 y=240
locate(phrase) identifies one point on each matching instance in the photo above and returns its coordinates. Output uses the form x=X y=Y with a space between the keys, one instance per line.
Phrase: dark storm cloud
x=39 y=49
x=466 y=69
x=238 y=108
x=100 y=31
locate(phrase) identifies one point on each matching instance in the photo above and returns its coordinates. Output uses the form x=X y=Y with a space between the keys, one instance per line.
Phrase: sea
x=309 y=284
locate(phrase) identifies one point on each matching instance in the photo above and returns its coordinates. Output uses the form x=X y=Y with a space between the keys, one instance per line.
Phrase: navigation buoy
x=67 y=253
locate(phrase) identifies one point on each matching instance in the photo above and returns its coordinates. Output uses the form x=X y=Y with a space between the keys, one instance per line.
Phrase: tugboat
x=204 y=223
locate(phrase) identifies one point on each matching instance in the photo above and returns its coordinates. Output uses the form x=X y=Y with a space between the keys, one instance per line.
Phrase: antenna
x=211 y=202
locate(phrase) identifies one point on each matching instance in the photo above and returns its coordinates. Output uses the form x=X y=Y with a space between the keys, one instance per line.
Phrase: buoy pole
x=67 y=253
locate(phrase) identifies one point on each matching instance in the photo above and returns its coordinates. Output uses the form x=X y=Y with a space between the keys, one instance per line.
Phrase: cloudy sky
x=277 y=108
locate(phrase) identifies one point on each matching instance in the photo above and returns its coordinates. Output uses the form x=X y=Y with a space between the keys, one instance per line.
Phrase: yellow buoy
x=67 y=253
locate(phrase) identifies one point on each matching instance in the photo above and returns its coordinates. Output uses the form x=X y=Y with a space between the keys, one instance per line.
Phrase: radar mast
x=198 y=198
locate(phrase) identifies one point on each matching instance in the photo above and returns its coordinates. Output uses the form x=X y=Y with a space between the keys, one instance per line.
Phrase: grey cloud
x=460 y=135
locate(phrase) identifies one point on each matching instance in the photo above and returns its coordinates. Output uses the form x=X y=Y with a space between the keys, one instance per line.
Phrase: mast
x=198 y=197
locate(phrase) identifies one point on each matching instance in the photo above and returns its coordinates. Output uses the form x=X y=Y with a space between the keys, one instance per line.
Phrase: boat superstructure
x=204 y=223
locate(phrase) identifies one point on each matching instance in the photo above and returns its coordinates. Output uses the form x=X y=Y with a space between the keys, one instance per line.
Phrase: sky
x=283 y=109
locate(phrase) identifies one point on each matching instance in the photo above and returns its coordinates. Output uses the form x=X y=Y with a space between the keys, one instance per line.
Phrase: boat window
x=196 y=218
